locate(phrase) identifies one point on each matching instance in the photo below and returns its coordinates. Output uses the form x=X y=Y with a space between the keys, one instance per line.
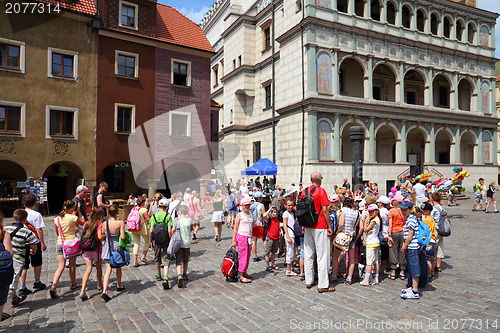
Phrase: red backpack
x=134 y=222
x=229 y=266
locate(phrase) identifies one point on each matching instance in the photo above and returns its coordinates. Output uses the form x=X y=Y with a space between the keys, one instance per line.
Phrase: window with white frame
x=12 y=55
x=61 y=122
x=126 y=64
x=62 y=64
x=181 y=73
x=180 y=124
x=124 y=118
x=12 y=118
x=128 y=15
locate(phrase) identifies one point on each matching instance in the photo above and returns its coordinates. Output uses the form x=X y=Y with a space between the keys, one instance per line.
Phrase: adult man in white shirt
x=419 y=190
x=174 y=206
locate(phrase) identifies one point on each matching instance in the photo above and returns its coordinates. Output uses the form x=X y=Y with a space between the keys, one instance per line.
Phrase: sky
x=196 y=9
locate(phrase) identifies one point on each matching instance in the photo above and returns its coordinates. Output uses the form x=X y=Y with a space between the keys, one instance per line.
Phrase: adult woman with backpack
x=116 y=230
x=90 y=239
x=218 y=215
x=195 y=213
x=6 y=274
x=142 y=232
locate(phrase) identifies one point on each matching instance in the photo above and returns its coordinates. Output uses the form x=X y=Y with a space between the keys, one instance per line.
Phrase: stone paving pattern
x=467 y=289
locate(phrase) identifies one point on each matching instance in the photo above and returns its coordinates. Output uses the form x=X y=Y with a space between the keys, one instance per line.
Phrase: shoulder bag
x=71 y=249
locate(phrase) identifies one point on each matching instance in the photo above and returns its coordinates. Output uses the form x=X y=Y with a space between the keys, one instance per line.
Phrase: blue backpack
x=424 y=233
x=254 y=212
x=231 y=204
x=335 y=221
x=6 y=264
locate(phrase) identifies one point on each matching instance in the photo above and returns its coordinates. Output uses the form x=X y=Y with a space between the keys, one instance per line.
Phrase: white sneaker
x=407 y=290
x=365 y=283
x=410 y=295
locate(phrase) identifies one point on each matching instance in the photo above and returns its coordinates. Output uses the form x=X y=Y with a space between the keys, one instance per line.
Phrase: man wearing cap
x=316 y=237
x=257 y=210
x=161 y=256
x=81 y=193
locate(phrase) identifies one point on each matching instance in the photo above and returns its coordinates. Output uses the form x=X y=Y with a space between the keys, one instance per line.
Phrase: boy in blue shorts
x=412 y=250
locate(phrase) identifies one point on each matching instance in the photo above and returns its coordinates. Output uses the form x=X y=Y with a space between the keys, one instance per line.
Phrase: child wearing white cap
x=372 y=229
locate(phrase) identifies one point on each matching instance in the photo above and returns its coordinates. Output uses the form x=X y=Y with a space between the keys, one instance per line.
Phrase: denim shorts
x=412 y=262
x=4 y=292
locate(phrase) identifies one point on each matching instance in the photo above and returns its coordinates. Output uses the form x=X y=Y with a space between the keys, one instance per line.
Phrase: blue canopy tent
x=263 y=167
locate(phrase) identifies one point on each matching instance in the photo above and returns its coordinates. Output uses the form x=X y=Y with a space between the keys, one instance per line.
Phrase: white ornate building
x=417 y=75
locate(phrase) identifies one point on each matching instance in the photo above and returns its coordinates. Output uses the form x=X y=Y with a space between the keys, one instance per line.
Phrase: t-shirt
x=173 y=205
x=36 y=220
x=290 y=221
x=185 y=227
x=273 y=230
x=351 y=217
x=436 y=214
x=20 y=241
x=397 y=220
x=186 y=198
x=320 y=200
x=412 y=223
x=372 y=239
x=68 y=224
x=83 y=208
x=419 y=190
x=384 y=214
x=432 y=226
x=159 y=217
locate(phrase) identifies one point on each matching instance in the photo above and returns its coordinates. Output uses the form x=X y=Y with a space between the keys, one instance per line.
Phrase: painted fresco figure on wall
x=324 y=3
x=485 y=97
x=324 y=73
x=324 y=140
x=486 y=147
x=484 y=36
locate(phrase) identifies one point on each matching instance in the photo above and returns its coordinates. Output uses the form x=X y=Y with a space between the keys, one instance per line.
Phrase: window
x=239 y=60
x=61 y=122
x=124 y=118
x=180 y=124
x=181 y=73
x=10 y=119
x=443 y=96
x=234 y=63
x=266 y=35
x=216 y=76
x=377 y=92
x=127 y=64
x=11 y=55
x=128 y=15
x=256 y=151
x=267 y=90
x=62 y=64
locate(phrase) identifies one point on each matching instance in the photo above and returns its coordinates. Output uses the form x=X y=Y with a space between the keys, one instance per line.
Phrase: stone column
x=350 y=7
x=312 y=135
x=357 y=135
x=368 y=83
x=478 y=159
x=403 y=156
x=457 y=145
x=427 y=26
x=441 y=25
x=428 y=88
x=494 y=146
x=492 y=42
x=478 y=99
x=399 y=14
x=432 y=146
x=336 y=76
x=383 y=11
x=336 y=137
x=400 y=86
x=371 y=140
x=493 y=100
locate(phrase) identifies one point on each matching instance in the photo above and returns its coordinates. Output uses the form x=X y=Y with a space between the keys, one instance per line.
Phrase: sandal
x=439 y=269
x=120 y=288
x=137 y=265
x=402 y=276
x=53 y=293
x=245 y=281
x=270 y=269
x=74 y=287
x=5 y=316
x=392 y=276
x=276 y=268
x=144 y=260
x=291 y=273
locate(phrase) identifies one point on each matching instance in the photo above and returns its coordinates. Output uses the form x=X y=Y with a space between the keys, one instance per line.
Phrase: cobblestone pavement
x=464 y=297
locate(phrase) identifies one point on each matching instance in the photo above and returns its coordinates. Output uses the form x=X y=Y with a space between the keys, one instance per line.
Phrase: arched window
x=386 y=145
x=359 y=8
x=342 y=6
x=414 y=88
x=434 y=24
x=384 y=86
x=391 y=13
x=375 y=8
x=421 y=20
x=442 y=147
x=467 y=144
x=464 y=95
x=447 y=27
x=441 y=91
x=351 y=78
x=460 y=30
x=406 y=18
x=472 y=33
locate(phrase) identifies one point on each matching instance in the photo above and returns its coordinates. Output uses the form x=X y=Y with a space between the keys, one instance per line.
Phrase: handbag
x=119 y=258
x=342 y=241
x=199 y=216
x=71 y=249
x=175 y=242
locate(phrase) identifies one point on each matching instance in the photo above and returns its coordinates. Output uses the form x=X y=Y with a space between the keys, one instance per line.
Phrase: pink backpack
x=134 y=220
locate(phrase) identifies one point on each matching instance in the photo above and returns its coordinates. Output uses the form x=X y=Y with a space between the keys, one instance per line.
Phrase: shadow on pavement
x=195 y=275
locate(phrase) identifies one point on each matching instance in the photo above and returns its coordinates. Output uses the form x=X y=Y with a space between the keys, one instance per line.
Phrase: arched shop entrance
x=178 y=177
x=121 y=180
x=10 y=174
x=62 y=179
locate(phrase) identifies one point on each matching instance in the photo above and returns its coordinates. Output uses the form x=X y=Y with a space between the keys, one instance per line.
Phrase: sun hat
x=362 y=205
x=245 y=201
x=383 y=200
x=258 y=194
x=334 y=198
x=372 y=207
x=399 y=197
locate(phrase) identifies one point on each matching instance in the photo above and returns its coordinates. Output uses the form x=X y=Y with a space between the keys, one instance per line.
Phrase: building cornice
x=267 y=123
x=249 y=68
x=408 y=112
x=311 y=22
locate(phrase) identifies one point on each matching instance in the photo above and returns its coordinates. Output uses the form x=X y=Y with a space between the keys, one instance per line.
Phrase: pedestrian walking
x=6 y=275
x=218 y=215
x=159 y=239
x=242 y=239
x=142 y=233
x=182 y=255
x=195 y=212
x=489 y=196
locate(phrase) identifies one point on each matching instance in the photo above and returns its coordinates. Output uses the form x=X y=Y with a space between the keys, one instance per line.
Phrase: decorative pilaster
x=312 y=135
x=371 y=139
x=428 y=87
x=432 y=145
x=457 y=145
x=368 y=82
x=479 y=145
x=403 y=142
x=336 y=137
x=454 y=93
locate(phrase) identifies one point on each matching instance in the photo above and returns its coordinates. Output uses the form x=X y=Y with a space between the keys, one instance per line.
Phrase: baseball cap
x=362 y=205
x=245 y=201
x=399 y=197
x=406 y=204
x=426 y=206
x=358 y=198
x=372 y=207
x=258 y=194
x=163 y=203
x=383 y=200
x=334 y=198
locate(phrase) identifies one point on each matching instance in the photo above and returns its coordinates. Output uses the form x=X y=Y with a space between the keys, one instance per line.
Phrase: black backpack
x=90 y=242
x=306 y=212
x=160 y=233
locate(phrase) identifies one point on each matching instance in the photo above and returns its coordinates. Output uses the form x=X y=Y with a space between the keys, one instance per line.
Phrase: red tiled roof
x=175 y=28
x=81 y=6
x=214 y=104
